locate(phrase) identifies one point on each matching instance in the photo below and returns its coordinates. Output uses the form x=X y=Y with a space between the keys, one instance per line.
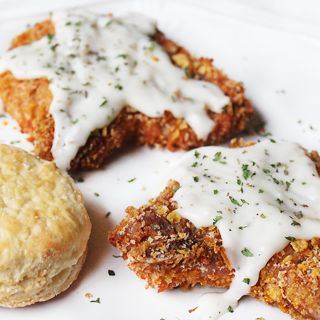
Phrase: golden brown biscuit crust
x=28 y=101
x=44 y=229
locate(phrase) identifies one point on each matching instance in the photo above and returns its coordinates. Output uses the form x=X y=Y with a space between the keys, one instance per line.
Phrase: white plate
x=276 y=57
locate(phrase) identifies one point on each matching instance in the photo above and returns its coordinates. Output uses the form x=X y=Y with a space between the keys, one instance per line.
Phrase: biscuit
x=44 y=229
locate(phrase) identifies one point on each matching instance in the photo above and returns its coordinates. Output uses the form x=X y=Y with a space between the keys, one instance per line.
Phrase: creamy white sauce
x=261 y=194
x=98 y=64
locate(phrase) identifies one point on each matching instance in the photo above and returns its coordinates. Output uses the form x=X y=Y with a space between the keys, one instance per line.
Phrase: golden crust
x=44 y=229
x=168 y=251
x=28 y=101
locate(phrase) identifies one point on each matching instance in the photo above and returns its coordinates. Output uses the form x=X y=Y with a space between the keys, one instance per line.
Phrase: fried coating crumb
x=167 y=251
x=28 y=101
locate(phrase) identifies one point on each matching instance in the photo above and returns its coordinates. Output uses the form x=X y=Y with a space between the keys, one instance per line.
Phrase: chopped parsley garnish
x=175 y=189
x=217 y=156
x=230 y=309
x=80 y=180
x=195 y=164
x=279 y=201
x=234 y=201
x=239 y=182
x=225 y=108
x=275 y=180
x=196 y=154
x=124 y=56
x=299 y=261
x=303 y=183
x=96 y=301
x=75 y=121
x=132 y=180
x=241 y=228
x=262 y=216
x=68 y=23
x=246 y=172
x=216 y=219
x=188 y=75
x=215 y=191
x=261 y=191
x=288 y=184
x=109 y=22
x=151 y=48
x=173 y=99
x=299 y=214
x=273 y=141
x=111 y=273
x=266 y=170
x=196 y=179
x=53 y=48
x=152 y=226
x=244 y=201
x=246 y=252
x=118 y=87
x=50 y=36
x=78 y=23
x=295 y=223
x=107 y=214
x=290 y=238
x=96 y=194
x=103 y=103
x=116 y=256
x=13 y=142
x=246 y=280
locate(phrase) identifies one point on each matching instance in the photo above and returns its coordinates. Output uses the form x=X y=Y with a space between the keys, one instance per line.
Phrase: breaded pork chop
x=168 y=251
x=28 y=101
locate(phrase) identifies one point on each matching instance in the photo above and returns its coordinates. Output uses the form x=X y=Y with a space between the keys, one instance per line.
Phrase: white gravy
x=257 y=196
x=98 y=64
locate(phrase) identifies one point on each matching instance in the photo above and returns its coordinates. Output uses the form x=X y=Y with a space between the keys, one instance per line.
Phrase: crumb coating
x=28 y=101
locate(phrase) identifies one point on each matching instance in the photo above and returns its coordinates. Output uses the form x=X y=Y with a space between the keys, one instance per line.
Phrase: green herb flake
x=246 y=280
x=279 y=201
x=103 y=103
x=303 y=183
x=196 y=179
x=68 y=23
x=241 y=228
x=246 y=172
x=266 y=170
x=234 y=201
x=107 y=214
x=132 y=180
x=216 y=219
x=246 y=252
x=195 y=164
x=290 y=238
x=78 y=23
x=111 y=273
x=288 y=184
x=262 y=216
x=230 y=309
x=273 y=141
x=175 y=189
x=223 y=162
x=75 y=121
x=299 y=214
x=118 y=87
x=173 y=99
x=261 y=191
x=187 y=73
x=50 y=36
x=215 y=191
x=108 y=23
x=116 y=256
x=244 y=201
x=225 y=108
x=96 y=194
x=152 y=226
x=299 y=261
x=275 y=180
x=217 y=156
x=295 y=223
x=80 y=180
x=96 y=301
x=53 y=48
x=196 y=154
x=124 y=56
x=13 y=142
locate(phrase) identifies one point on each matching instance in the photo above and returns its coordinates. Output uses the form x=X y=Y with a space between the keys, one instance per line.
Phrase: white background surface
x=272 y=46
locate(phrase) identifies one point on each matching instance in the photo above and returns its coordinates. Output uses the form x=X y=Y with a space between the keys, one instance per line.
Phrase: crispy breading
x=167 y=251
x=28 y=101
